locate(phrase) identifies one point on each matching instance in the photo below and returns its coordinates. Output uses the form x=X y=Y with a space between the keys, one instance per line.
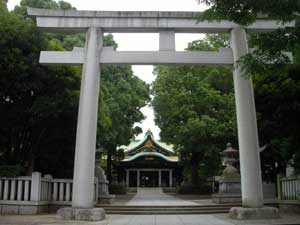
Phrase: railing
x=289 y=189
x=37 y=189
x=15 y=189
x=61 y=190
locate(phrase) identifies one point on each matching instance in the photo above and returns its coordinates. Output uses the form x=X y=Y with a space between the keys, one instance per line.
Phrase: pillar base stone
x=81 y=214
x=243 y=213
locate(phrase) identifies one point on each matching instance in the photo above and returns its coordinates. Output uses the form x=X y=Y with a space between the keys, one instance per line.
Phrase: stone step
x=166 y=209
x=168 y=212
x=166 y=206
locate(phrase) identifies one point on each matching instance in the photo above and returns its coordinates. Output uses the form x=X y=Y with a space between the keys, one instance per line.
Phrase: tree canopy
x=194 y=108
x=276 y=85
x=38 y=104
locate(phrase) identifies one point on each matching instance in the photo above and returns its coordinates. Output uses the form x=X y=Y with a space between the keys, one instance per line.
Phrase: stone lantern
x=103 y=194
x=230 y=181
x=230 y=156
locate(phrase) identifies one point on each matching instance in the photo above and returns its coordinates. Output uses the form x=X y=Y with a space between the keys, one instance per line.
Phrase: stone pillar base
x=93 y=214
x=242 y=213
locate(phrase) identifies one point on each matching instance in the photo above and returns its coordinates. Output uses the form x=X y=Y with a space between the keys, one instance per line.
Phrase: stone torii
x=95 y=23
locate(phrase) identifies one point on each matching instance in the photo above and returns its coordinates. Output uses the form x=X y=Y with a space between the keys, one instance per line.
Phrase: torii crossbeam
x=95 y=23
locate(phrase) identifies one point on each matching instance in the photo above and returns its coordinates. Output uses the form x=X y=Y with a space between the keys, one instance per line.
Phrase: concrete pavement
x=221 y=219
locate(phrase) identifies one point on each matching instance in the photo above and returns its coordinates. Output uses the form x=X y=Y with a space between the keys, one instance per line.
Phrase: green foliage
x=10 y=171
x=203 y=189
x=45 y=4
x=34 y=100
x=269 y=45
x=117 y=189
x=194 y=108
x=38 y=105
x=276 y=84
x=3 y=5
x=245 y=12
x=125 y=95
x=277 y=104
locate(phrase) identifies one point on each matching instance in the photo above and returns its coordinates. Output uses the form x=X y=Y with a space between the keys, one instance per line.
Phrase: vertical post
x=12 y=190
x=55 y=191
x=138 y=178
x=252 y=195
x=68 y=191
x=48 y=177
x=170 y=178
x=279 y=190
x=127 y=178
x=61 y=192
x=159 y=178
x=26 y=190
x=36 y=186
x=20 y=190
x=82 y=196
x=167 y=40
x=6 y=190
x=1 y=182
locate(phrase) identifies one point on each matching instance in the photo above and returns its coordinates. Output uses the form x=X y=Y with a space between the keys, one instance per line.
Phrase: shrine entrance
x=149 y=179
x=95 y=23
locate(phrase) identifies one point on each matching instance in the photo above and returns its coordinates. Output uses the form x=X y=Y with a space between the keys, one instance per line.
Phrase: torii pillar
x=167 y=24
x=84 y=171
x=83 y=196
x=251 y=181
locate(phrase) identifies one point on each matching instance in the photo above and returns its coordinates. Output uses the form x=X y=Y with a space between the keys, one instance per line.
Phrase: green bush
x=117 y=189
x=190 y=189
x=11 y=171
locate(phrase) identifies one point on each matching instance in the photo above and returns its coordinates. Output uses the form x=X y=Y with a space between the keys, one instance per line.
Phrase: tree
x=48 y=97
x=194 y=108
x=125 y=95
x=3 y=4
x=34 y=99
x=277 y=108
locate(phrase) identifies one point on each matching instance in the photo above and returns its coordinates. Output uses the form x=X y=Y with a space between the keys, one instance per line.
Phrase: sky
x=140 y=42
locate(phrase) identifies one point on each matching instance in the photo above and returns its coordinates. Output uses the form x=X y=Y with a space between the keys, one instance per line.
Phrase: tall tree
x=277 y=108
x=34 y=99
x=194 y=108
x=39 y=129
x=125 y=95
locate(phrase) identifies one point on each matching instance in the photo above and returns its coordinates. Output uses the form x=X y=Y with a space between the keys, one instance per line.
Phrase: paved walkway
x=155 y=196
x=221 y=219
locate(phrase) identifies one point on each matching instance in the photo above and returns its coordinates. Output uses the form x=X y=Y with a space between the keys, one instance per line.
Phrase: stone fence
x=37 y=194
x=289 y=189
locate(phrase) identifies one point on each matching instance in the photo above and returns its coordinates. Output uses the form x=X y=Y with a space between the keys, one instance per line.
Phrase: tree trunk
x=30 y=166
x=194 y=168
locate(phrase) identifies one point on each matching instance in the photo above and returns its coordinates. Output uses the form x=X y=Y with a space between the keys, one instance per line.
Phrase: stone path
x=221 y=219
x=155 y=196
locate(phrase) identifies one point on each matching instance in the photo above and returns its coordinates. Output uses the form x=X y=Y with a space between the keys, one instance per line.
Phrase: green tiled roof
x=137 y=143
x=141 y=154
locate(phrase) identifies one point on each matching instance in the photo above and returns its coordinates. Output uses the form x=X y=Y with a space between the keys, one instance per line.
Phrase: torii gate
x=95 y=23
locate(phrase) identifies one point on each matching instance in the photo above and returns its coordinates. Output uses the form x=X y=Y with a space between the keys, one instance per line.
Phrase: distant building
x=149 y=163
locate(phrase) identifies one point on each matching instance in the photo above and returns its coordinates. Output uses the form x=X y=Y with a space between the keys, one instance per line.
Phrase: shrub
x=11 y=171
x=191 y=189
x=117 y=189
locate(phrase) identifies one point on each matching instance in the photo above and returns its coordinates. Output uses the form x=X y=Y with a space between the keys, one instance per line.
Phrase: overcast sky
x=139 y=42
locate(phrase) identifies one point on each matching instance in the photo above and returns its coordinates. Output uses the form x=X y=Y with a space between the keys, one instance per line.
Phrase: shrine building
x=150 y=163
